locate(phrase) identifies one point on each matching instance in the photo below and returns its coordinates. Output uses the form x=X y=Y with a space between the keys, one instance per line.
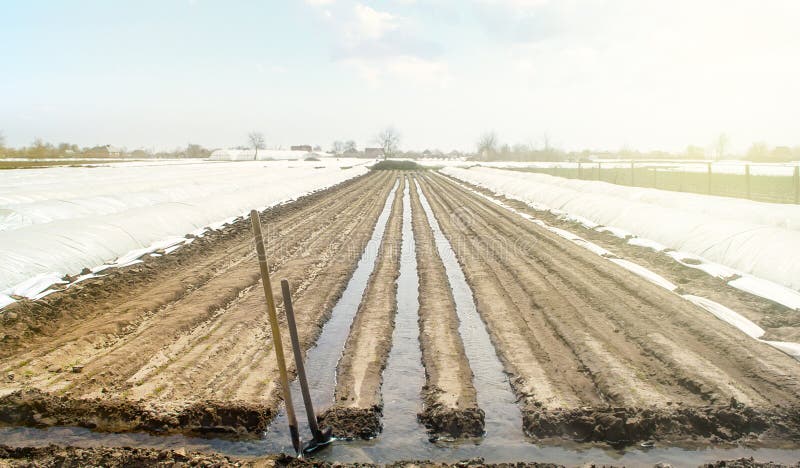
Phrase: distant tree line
x=40 y=149
x=489 y=148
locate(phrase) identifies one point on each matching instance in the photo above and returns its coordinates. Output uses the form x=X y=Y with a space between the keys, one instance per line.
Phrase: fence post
x=747 y=179
x=797 y=184
x=709 y=178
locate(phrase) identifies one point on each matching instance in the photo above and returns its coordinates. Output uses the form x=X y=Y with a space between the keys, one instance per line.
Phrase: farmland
x=428 y=309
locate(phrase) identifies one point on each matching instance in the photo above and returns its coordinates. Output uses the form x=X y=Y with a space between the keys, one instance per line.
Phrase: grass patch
x=41 y=164
x=389 y=165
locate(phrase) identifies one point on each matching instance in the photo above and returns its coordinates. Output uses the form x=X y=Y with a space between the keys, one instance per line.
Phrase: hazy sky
x=590 y=73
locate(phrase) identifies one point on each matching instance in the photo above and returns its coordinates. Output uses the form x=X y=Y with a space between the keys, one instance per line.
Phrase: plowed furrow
x=634 y=315
x=213 y=344
x=357 y=409
x=450 y=400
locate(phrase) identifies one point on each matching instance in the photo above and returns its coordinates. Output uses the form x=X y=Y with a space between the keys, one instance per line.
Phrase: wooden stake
x=709 y=178
x=747 y=180
x=276 y=331
x=298 y=360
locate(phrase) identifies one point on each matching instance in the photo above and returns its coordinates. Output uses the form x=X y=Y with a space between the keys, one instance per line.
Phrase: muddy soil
x=450 y=407
x=597 y=353
x=183 y=343
x=56 y=456
x=357 y=409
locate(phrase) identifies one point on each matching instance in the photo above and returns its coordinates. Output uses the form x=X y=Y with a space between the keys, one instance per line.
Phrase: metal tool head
x=318 y=443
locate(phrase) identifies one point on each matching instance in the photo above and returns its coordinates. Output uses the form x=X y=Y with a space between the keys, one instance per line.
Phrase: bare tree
x=350 y=145
x=758 y=151
x=337 y=147
x=721 y=145
x=256 y=140
x=487 y=144
x=389 y=140
x=546 y=143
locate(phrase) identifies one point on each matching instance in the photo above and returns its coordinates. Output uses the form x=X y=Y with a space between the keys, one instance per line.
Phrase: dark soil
x=445 y=422
x=747 y=463
x=55 y=456
x=622 y=426
x=35 y=408
x=389 y=165
x=353 y=423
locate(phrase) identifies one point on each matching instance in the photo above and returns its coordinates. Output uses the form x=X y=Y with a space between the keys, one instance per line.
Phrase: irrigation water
x=323 y=358
x=403 y=438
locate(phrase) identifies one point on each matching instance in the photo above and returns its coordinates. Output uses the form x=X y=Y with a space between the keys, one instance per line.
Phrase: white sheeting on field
x=264 y=155
x=752 y=237
x=60 y=220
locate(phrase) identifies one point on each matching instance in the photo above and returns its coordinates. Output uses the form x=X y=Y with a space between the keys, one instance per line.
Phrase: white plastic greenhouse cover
x=60 y=220
x=753 y=237
x=263 y=155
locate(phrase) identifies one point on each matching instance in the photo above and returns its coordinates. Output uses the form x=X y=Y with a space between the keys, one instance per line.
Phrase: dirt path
x=450 y=404
x=598 y=353
x=191 y=351
x=358 y=407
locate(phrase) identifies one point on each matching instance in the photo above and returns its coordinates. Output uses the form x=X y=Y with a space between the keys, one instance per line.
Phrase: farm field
x=429 y=313
x=58 y=221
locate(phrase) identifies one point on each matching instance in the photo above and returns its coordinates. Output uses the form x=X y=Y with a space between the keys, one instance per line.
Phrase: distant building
x=113 y=151
x=373 y=152
x=105 y=151
x=306 y=148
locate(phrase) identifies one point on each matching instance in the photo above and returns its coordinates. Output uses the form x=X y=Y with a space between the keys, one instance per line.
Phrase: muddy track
x=598 y=353
x=59 y=456
x=358 y=406
x=450 y=404
x=193 y=352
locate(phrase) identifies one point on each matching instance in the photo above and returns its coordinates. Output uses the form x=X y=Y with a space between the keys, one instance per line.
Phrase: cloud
x=319 y=2
x=372 y=24
x=381 y=45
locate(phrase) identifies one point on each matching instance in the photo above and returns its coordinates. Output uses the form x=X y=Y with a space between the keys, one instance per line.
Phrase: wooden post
x=277 y=343
x=797 y=184
x=709 y=178
x=747 y=179
x=298 y=360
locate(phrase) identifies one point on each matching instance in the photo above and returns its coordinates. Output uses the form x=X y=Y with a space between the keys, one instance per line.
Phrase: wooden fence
x=750 y=185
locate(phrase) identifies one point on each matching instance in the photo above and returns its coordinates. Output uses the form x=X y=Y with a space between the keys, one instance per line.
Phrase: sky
x=596 y=74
